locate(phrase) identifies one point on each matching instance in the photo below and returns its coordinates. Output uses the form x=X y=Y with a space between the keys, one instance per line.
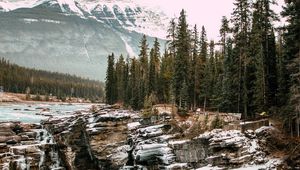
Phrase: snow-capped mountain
x=75 y=36
x=127 y=14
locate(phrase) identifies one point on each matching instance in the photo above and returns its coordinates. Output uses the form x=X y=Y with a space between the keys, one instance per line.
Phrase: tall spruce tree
x=282 y=73
x=172 y=37
x=126 y=83
x=182 y=56
x=203 y=45
x=120 y=79
x=230 y=85
x=152 y=74
x=203 y=69
x=264 y=50
x=292 y=56
x=241 y=23
x=165 y=78
x=144 y=71
x=193 y=68
x=154 y=67
x=224 y=30
x=110 y=83
x=134 y=84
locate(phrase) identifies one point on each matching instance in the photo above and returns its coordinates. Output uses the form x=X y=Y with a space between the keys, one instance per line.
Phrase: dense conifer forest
x=253 y=68
x=16 y=79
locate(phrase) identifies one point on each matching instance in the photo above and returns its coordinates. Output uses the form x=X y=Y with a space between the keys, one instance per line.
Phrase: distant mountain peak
x=75 y=36
x=127 y=14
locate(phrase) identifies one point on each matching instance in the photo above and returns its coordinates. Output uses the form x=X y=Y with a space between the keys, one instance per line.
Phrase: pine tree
x=258 y=52
x=165 y=78
x=241 y=23
x=271 y=70
x=133 y=85
x=212 y=69
x=154 y=67
x=193 y=68
x=120 y=79
x=223 y=32
x=182 y=56
x=144 y=71
x=172 y=38
x=126 y=83
x=219 y=78
x=203 y=45
x=202 y=69
x=152 y=79
x=282 y=73
x=229 y=96
x=264 y=49
x=110 y=84
x=292 y=56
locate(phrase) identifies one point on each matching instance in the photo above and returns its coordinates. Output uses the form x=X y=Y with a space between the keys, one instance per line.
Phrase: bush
x=27 y=97
x=217 y=123
x=47 y=98
x=205 y=122
x=195 y=130
x=37 y=97
x=182 y=112
x=146 y=113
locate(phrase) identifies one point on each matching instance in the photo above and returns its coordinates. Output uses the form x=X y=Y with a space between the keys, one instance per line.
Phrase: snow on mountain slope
x=12 y=5
x=75 y=36
x=126 y=14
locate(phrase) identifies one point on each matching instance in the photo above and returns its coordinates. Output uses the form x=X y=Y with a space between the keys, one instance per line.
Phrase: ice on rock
x=270 y=164
x=254 y=147
x=133 y=125
x=177 y=166
x=149 y=152
x=264 y=128
x=178 y=142
x=151 y=131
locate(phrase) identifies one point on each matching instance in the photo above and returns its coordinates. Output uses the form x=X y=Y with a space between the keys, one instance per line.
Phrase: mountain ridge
x=130 y=15
x=45 y=36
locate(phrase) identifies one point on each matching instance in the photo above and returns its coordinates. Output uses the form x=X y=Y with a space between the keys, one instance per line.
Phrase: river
x=35 y=112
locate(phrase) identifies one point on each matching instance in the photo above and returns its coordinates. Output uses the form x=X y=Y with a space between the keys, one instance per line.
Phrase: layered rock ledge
x=120 y=139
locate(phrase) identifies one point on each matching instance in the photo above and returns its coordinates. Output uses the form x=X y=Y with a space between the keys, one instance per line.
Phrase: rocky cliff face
x=27 y=146
x=117 y=139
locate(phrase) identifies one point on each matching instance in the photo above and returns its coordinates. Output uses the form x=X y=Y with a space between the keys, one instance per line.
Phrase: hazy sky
x=202 y=12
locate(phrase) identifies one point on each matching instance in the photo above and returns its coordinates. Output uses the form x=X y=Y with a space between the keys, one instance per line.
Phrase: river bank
x=6 y=97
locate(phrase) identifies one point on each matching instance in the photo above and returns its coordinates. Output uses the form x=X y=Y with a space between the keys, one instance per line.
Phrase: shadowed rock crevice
x=74 y=147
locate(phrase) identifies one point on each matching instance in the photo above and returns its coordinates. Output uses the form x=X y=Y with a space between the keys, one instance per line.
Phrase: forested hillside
x=253 y=68
x=18 y=79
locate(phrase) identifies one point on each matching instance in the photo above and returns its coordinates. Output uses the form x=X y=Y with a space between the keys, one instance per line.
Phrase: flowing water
x=35 y=112
x=43 y=147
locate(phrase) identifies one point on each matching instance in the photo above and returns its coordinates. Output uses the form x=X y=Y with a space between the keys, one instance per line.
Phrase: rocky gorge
x=109 y=138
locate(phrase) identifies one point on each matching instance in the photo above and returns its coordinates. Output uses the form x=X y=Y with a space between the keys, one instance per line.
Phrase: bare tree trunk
x=245 y=89
x=298 y=107
x=180 y=102
x=297 y=122
x=204 y=104
x=291 y=126
x=240 y=76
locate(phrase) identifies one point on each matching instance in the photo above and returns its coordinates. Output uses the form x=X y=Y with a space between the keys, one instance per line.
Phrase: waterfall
x=51 y=155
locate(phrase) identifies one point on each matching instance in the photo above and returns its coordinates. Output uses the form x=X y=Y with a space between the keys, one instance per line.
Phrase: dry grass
x=194 y=124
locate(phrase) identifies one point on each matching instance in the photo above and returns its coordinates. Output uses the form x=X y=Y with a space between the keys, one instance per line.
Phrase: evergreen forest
x=16 y=79
x=254 y=67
